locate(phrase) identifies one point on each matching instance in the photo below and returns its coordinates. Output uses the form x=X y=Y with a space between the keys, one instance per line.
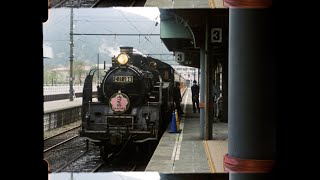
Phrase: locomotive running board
x=145 y=140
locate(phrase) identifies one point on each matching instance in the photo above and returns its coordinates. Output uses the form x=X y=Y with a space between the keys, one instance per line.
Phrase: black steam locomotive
x=134 y=102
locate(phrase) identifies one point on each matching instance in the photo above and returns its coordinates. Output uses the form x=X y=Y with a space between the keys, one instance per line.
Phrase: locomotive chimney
x=127 y=50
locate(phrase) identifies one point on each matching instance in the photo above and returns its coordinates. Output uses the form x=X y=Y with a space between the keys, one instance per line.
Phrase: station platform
x=182 y=152
x=185 y=152
x=184 y=4
x=50 y=106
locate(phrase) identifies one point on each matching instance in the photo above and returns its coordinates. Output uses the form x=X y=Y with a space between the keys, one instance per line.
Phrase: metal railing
x=63 y=89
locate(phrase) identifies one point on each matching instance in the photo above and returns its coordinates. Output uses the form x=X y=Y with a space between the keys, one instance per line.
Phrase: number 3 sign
x=216 y=35
x=179 y=56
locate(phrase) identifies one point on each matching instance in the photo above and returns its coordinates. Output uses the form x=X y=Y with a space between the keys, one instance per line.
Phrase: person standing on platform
x=195 y=96
x=177 y=98
x=216 y=95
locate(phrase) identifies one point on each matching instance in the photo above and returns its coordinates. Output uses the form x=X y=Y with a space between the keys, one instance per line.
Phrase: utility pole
x=71 y=55
x=194 y=74
x=98 y=69
x=52 y=79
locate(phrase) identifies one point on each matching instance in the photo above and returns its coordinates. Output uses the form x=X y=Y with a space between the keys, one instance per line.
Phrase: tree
x=46 y=76
x=51 y=76
x=79 y=70
x=55 y=77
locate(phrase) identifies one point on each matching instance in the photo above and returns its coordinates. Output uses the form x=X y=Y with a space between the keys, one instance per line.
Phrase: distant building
x=188 y=73
x=47 y=52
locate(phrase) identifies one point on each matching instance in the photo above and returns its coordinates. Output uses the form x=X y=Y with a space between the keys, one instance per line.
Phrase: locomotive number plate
x=123 y=79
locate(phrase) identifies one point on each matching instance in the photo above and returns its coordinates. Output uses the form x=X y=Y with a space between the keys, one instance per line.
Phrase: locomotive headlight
x=122 y=58
x=153 y=65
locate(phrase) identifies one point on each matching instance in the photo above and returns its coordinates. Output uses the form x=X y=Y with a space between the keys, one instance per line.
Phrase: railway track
x=110 y=3
x=63 y=142
x=60 y=139
x=91 y=161
x=76 y=3
x=67 y=152
x=88 y=161
x=97 y=3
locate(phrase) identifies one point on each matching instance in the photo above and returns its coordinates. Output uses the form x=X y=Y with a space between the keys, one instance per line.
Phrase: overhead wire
x=92 y=23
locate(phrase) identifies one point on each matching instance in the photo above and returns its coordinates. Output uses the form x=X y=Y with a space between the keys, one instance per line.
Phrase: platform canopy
x=183 y=32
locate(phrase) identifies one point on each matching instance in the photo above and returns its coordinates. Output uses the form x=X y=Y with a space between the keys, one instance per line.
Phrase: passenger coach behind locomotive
x=134 y=101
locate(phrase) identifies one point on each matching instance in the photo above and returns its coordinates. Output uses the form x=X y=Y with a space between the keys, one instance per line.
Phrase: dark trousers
x=195 y=103
x=178 y=107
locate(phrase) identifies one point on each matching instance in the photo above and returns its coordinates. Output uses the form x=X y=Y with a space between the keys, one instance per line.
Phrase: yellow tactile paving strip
x=211 y=4
x=216 y=4
x=210 y=162
x=215 y=150
x=219 y=4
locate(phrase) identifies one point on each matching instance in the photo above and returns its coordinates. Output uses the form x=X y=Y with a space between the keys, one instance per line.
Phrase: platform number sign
x=216 y=35
x=179 y=56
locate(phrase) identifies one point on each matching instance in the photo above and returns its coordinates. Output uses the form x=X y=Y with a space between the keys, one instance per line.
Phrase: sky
x=152 y=13
x=116 y=20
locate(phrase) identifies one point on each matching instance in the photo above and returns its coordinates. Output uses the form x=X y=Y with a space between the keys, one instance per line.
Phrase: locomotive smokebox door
x=116 y=139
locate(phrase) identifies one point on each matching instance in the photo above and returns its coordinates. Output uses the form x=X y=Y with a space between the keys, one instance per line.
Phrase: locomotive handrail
x=160 y=90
